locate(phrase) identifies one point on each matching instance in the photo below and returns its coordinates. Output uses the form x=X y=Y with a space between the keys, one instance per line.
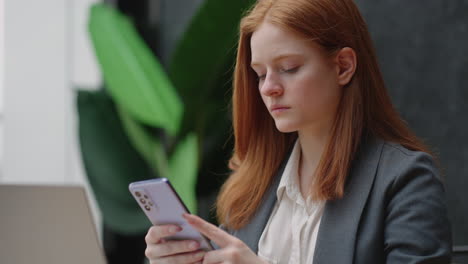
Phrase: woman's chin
x=285 y=128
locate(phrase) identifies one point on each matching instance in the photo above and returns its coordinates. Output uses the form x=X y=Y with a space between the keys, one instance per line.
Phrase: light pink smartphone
x=161 y=204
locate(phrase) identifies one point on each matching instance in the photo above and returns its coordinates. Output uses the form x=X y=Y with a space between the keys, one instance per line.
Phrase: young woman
x=324 y=168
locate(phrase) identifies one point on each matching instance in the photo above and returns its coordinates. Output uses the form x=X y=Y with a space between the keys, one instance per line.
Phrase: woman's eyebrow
x=277 y=58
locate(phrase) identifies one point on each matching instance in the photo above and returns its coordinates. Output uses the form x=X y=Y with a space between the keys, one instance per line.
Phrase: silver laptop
x=47 y=225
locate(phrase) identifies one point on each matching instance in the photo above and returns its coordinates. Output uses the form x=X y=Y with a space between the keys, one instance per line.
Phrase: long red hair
x=365 y=107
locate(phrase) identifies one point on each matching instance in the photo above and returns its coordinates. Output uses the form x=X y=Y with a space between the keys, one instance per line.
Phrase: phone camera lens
x=138 y=194
x=146 y=197
x=150 y=203
x=143 y=201
x=147 y=208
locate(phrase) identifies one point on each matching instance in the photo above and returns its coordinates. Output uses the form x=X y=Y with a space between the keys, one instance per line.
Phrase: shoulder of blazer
x=377 y=163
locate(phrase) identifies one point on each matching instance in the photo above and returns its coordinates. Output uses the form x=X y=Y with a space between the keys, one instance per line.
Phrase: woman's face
x=297 y=82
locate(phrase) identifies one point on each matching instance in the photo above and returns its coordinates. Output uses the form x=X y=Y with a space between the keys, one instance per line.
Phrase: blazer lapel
x=337 y=233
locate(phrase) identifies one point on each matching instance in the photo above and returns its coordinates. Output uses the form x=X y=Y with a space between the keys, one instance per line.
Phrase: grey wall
x=422 y=47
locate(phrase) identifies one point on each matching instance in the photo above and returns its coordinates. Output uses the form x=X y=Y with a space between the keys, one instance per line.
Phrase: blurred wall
x=35 y=95
x=47 y=55
x=421 y=46
x=2 y=82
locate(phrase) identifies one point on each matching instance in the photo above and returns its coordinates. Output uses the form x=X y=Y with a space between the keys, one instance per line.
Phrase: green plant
x=172 y=120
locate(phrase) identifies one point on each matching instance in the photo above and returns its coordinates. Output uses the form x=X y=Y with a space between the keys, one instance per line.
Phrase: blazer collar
x=338 y=227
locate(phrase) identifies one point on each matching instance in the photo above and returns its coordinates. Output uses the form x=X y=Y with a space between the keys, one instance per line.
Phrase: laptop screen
x=47 y=225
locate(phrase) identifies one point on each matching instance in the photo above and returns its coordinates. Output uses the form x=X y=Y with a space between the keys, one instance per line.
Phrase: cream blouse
x=291 y=232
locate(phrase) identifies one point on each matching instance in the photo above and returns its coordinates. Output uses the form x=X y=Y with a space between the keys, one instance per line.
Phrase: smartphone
x=162 y=205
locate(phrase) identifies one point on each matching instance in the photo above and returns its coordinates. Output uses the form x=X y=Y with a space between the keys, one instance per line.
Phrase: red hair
x=365 y=107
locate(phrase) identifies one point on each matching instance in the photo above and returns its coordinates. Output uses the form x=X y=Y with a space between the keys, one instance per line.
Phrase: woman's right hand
x=160 y=251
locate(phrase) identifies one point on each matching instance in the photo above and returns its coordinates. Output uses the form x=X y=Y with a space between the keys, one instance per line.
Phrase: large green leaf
x=201 y=54
x=183 y=166
x=111 y=162
x=153 y=70
x=134 y=77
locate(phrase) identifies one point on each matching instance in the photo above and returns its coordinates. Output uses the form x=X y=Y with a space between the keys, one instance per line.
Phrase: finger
x=183 y=258
x=217 y=256
x=211 y=231
x=156 y=233
x=170 y=248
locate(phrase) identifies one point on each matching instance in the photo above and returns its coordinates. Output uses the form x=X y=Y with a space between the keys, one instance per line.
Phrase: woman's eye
x=290 y=70
x=261 y=77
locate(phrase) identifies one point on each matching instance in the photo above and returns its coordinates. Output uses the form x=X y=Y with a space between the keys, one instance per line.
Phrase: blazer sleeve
x=417 y=229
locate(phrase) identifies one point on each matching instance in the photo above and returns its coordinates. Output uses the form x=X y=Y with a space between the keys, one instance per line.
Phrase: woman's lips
x=278 y=109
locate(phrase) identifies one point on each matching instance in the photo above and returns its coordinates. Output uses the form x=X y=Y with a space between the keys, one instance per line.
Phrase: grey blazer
x=393 y=211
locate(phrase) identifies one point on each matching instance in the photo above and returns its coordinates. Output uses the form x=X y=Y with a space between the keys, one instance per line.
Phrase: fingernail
x=194 y=245
x=188 y=218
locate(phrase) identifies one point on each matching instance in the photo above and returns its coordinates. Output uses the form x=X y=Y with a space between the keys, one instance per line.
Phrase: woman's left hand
x=232 y=250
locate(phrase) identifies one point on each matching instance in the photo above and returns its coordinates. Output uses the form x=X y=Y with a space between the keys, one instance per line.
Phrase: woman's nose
x=271 y=87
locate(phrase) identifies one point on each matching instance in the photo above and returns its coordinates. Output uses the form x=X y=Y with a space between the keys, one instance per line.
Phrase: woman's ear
x=345 y=62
